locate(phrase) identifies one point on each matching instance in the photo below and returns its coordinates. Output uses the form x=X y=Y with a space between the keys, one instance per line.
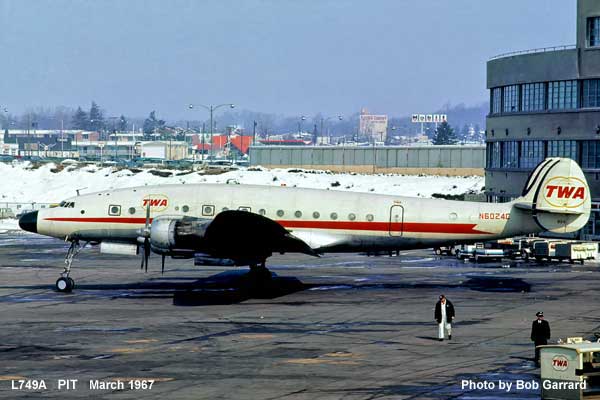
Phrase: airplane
x=243 y=225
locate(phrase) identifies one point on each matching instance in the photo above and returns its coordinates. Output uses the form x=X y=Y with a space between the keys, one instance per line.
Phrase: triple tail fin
x=558 y=196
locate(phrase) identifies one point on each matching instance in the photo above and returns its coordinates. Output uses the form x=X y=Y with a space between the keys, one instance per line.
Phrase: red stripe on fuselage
x=420 y=227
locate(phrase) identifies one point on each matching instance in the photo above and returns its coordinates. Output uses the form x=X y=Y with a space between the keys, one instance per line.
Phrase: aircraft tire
x=63 y=285
x=71 y=283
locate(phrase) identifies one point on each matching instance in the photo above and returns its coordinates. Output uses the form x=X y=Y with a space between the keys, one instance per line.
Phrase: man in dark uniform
x=540 y=333
x=444 y=314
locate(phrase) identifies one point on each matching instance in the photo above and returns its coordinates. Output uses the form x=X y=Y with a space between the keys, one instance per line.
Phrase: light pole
x=211 y=109
x=323 y=120
x=302 y=119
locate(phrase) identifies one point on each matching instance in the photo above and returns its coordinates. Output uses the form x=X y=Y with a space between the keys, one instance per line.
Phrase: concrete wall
x=437 y=160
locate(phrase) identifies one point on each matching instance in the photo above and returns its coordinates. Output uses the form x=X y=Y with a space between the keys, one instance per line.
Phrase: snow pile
x=23 y=184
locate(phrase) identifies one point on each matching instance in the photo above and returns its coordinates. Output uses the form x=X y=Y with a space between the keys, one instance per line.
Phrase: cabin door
x=396 y=220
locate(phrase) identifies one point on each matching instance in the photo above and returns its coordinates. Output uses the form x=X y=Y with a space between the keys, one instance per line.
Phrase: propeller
x=146 y=236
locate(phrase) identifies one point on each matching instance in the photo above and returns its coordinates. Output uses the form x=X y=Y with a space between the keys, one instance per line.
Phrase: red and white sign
x=560 y=363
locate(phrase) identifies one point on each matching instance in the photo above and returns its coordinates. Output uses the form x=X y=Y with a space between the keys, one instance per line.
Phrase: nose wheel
x=65 y=284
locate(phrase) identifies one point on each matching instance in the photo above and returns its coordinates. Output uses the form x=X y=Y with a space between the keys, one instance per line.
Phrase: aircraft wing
x=242 y=236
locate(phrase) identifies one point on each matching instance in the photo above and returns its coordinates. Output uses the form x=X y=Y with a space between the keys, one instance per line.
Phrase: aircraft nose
x=28 y=222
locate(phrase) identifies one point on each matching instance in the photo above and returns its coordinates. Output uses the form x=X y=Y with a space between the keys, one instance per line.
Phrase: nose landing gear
x=65 y=283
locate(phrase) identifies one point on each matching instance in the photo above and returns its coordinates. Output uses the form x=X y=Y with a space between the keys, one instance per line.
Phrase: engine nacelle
x=162 y=235
x=171 y=234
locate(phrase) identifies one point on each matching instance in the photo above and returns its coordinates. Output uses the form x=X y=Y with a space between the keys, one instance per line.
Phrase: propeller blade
x=147 y=217
x=146 y=252
x=163 y=264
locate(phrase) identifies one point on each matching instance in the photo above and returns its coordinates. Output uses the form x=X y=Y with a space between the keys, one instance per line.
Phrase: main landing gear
x=65 y=283
x=260 y=272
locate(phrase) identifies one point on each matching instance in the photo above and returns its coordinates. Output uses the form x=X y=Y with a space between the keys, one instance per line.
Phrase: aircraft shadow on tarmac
x=236 y=286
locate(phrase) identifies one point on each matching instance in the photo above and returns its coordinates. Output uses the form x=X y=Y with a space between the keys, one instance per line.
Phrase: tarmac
x=343 y=326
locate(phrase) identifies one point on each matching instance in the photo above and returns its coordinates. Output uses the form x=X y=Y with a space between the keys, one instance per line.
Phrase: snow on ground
x=7 y=225
x=21 y=183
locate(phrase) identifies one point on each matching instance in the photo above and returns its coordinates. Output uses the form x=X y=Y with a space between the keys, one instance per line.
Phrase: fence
x=12 y=210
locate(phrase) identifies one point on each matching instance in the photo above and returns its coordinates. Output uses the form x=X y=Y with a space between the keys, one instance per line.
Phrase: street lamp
x=210 y=109
x=302 y=119
x=323 y=120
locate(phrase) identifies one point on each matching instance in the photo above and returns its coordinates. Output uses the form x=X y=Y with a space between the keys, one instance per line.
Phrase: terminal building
x=546 y=103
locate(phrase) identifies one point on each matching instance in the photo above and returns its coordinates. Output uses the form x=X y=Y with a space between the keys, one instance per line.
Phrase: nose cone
x=28 y=222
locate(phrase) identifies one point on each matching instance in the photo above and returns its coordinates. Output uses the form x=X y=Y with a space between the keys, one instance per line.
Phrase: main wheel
x=438 y=251
x=71 y=283
x=64 y=284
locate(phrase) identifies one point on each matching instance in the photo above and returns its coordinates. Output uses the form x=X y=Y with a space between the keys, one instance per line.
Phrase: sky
x=289 y=57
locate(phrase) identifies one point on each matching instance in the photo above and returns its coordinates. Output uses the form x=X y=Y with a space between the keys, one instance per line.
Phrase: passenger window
x=298 y=214
x=262 y=211
x=131 y=210
x=280 y=213
x=243 y=208
x=333 y=215
x=370 y=217
x=224 y=209
x=208 y=210
x=316 y=215
x=185 y=209
x=114 y=210
x=351 y=216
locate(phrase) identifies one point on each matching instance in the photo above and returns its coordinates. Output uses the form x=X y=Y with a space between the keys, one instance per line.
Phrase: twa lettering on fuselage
x=566 y=192
x=157 y=202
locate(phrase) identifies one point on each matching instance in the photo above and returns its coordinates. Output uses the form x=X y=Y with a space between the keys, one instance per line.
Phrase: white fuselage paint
x=325 y=219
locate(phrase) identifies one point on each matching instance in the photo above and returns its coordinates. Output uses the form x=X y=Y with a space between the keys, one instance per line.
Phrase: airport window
x=185 y=209
x=591 y=93
x=493 y=159
x=114 y=210
x=562 y=95
x=262 y=211
x=298 y=214
x=208 y=210
x=316 y=215
x=593 y=31
x=532 y=153
x=280 y=213
x=590 y=154
x=496 y=101
x=510 y=154
x=532 y=97
x=510 y=98
x=563 y=148
x=370 y=217
x=131 y=210
x=351 y=216
x=333 y=215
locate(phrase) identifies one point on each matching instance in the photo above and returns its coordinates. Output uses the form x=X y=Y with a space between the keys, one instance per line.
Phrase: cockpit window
x=67 y=204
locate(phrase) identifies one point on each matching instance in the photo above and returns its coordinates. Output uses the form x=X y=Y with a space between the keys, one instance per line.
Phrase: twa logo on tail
x=157 y=202
x=566 y=192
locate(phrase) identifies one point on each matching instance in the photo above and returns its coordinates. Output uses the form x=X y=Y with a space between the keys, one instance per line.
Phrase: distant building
x=164 y=150
x=373 y=126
